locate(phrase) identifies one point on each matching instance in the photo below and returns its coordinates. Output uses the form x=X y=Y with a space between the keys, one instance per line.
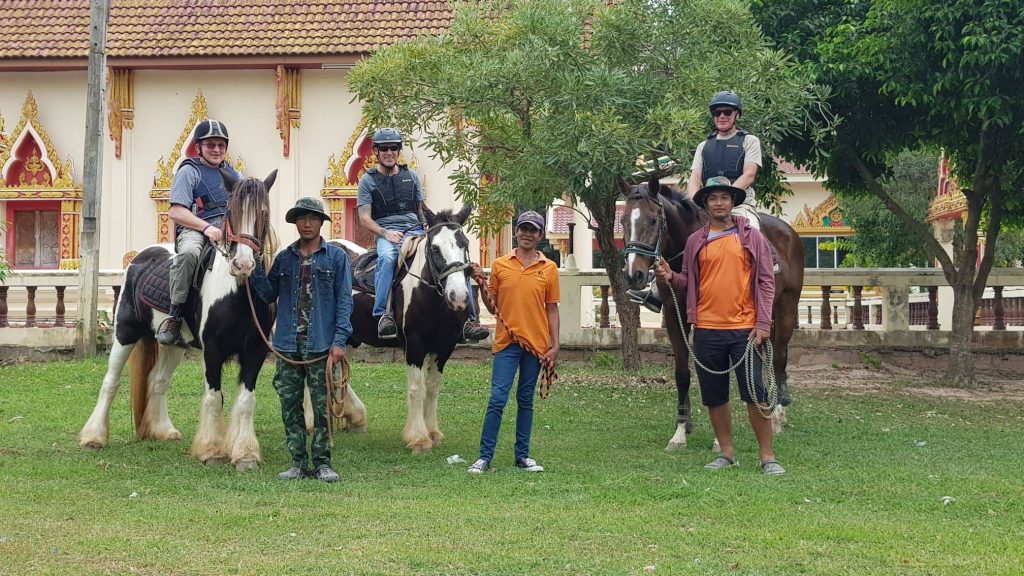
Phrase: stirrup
x=387 y=328
x=646 y=298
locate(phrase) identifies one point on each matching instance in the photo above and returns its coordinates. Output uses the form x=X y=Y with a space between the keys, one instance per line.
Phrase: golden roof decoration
x=33 y=29
x=61 y=174
x=165 y=169
x=825 y=218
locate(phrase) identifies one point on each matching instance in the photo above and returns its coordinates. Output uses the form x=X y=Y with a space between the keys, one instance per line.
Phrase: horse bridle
x=440 y=275
x=246 y=239
x=643 y=248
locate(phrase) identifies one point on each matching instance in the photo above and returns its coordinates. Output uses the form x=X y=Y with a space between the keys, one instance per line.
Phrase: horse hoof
x=93 y=445
x=216 y=460
x=436 y=436
x=421 y=447
x=246 y=465
x=356 y=429
x=674 y=446
x=172 y=436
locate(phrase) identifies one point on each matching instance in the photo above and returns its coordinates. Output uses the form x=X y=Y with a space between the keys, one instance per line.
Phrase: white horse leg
x=415 y=432
x=355 y=412
x=207 y=446
x=307 y=409
x=678 y=440
x=241 y=443
x=432 y=379
x=155 y=421
x=95 y=433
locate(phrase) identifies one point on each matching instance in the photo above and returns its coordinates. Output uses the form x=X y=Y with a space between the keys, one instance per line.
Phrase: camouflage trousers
x=289 y=381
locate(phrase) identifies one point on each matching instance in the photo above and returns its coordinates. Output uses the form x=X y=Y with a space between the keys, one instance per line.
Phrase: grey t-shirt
x=397 y=222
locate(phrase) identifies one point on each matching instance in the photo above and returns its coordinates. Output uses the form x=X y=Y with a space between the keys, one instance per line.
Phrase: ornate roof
x=825 y=218
x=28 y=159
x=204 y=28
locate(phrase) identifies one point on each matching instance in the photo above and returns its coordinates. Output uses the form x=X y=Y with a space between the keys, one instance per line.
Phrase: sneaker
x=386 y=328
x=479 y=467
x=324 y=473
x=293 y=473
x=474 y=332
x=721 y=462
x=646 y=298
x=772 y=468
x=529 y=465
x=170 y=331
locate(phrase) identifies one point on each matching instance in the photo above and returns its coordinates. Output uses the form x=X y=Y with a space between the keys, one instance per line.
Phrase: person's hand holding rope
x=662 y=271
x=759 y=336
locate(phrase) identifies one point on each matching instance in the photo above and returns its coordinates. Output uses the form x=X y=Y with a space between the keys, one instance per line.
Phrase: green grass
x=861 y=495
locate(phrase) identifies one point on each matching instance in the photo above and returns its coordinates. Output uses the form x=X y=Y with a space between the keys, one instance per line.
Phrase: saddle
x=155 y=290
x=755 y=218
x=365 y=266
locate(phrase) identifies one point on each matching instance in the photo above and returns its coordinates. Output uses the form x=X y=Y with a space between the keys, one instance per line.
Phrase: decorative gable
x=825 y=218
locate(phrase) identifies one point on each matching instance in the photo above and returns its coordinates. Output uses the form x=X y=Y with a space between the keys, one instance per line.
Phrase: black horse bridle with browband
x=643 y=248
x=449 y=269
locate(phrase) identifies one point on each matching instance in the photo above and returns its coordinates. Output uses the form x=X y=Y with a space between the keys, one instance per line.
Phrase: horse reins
x=336 y=391
x=548 y=376
x=447 y=271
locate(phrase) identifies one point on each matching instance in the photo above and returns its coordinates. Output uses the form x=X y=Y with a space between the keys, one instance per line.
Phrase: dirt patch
x=992 y=384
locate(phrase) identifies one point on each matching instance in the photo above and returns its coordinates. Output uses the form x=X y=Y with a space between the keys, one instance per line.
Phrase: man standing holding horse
x=198 y=199
x=389 y=202
x=730 y=286
x=312 y=282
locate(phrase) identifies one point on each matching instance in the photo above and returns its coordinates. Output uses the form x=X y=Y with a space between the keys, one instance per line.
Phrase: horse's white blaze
x=95 y=433
x=456 y=290
x=432 y=379
x=241 y=444
x=634 y=215
x=207 y=446
x=156 y=423
x=415 y=433
x=678 y=439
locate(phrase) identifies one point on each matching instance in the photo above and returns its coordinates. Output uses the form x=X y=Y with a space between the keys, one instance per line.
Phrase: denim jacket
x=330 y=322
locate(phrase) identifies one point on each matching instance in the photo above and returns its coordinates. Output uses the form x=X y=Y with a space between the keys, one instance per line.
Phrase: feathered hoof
x=437 y=436
x=675 y=446
x=246 y=465
x=215 y=460
x=356 y=429
x=420 y=446
x=170 y=436
x=92 y=445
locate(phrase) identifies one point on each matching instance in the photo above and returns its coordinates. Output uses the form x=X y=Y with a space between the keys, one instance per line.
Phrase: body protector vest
x=393 y=194
x=723 y=157
x=210 y=196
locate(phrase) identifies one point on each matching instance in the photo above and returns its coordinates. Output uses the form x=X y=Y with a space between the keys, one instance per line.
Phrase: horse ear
x=653 y=185
x=428 y=214
x=463 y=214
x=269 y=182
x=229 y=180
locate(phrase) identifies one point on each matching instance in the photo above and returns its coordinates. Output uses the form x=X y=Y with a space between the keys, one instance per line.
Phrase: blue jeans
x=503 y=372
x=384 y=274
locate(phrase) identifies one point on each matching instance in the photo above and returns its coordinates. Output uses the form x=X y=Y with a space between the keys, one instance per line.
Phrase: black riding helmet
x=210 y=129
x=726 y=98
x=387 y=136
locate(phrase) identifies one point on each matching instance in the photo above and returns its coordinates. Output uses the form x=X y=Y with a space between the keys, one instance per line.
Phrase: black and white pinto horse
x=226 y=329
x=430 y=304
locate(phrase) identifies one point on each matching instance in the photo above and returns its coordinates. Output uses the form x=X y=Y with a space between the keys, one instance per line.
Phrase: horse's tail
x=143 y=360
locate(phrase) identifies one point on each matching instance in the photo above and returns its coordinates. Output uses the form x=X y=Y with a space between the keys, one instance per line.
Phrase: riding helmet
x=210 y=129
x=726 y=98
x=387 y=136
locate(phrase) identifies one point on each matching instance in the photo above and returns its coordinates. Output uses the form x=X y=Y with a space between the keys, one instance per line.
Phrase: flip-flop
x=772 y=468
x=721 y=461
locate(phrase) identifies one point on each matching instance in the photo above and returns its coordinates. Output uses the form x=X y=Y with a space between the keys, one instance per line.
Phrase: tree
x=547 y=99
x=912 y=73
x=880 y=241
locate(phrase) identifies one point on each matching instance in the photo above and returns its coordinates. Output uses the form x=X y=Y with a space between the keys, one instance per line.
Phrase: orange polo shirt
x=522 y=296
x=726 y=297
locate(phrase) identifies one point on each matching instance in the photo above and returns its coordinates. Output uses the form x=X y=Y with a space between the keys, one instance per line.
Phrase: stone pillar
x=895 y=308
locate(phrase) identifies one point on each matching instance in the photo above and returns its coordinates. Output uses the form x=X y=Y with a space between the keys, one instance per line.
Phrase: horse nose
x=636 y=277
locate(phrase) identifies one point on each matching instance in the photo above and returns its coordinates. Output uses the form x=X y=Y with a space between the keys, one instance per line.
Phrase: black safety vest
x=393 y=195
x=723 y=157
x=209 y=196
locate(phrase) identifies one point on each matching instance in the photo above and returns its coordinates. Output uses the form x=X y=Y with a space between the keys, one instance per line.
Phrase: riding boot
x=386 y=328
x=473 y=331
x=647 y=298
x=170 y=328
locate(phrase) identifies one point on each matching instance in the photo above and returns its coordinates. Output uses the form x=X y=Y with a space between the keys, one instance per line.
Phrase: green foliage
x=870 y=359
x=1010 y=251
x=882 y=241
x=5 y=268
x=860 y=496
x=603 y=359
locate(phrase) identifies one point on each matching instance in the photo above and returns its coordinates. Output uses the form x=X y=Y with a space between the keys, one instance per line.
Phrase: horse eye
x=652 y=221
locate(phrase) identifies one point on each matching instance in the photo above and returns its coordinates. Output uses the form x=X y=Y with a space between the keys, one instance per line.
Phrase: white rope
x=767 y=354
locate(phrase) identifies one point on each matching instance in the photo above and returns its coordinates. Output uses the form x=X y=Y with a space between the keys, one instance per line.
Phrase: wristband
x=204 y=229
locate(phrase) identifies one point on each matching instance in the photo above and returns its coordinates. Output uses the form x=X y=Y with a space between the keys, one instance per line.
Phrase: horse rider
x=727 y=152
x=198 y=201
x=389 y=202
x=729 y=283
x=311 y=281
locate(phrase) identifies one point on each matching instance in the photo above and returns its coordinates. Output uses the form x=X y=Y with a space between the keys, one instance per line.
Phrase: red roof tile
x=190 y=28
x=561 y=216
x=787 y=167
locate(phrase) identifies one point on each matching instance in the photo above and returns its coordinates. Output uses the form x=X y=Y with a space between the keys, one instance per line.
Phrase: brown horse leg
x=782 y=333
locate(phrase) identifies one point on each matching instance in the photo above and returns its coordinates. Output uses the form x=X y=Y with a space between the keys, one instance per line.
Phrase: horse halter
x=643 y=248
x=449 y=269
x=246 y=239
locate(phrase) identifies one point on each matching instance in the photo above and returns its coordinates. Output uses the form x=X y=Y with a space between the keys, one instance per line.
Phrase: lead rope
x=767 y=355
x=548 y=376
x=336 y=391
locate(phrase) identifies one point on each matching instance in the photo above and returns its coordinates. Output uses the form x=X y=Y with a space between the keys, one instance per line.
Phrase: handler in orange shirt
x=524 y=292
x=727 y=266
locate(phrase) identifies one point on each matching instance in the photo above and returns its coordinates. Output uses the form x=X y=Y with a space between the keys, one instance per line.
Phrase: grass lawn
x=864 y=493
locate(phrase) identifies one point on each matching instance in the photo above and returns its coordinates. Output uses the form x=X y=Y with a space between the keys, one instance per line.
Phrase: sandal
x=721 y=461
x=772 y=468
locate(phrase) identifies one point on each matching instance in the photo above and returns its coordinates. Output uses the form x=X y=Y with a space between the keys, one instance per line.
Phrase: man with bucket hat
x=311 y=281
x=730 y=286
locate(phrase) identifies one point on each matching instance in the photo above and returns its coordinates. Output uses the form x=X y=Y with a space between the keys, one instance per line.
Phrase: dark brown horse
x=658 y=220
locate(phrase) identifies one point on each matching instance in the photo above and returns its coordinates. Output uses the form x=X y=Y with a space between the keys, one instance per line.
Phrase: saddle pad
x=156 y=288
x=363 y=269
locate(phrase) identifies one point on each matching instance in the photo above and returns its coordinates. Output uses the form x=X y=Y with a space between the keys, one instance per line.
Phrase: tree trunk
x=960 y=371
x=629 y=313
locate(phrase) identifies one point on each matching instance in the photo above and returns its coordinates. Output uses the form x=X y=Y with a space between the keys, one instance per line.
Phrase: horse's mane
x=444 y=216
x=685 y=204
x=250 y=196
